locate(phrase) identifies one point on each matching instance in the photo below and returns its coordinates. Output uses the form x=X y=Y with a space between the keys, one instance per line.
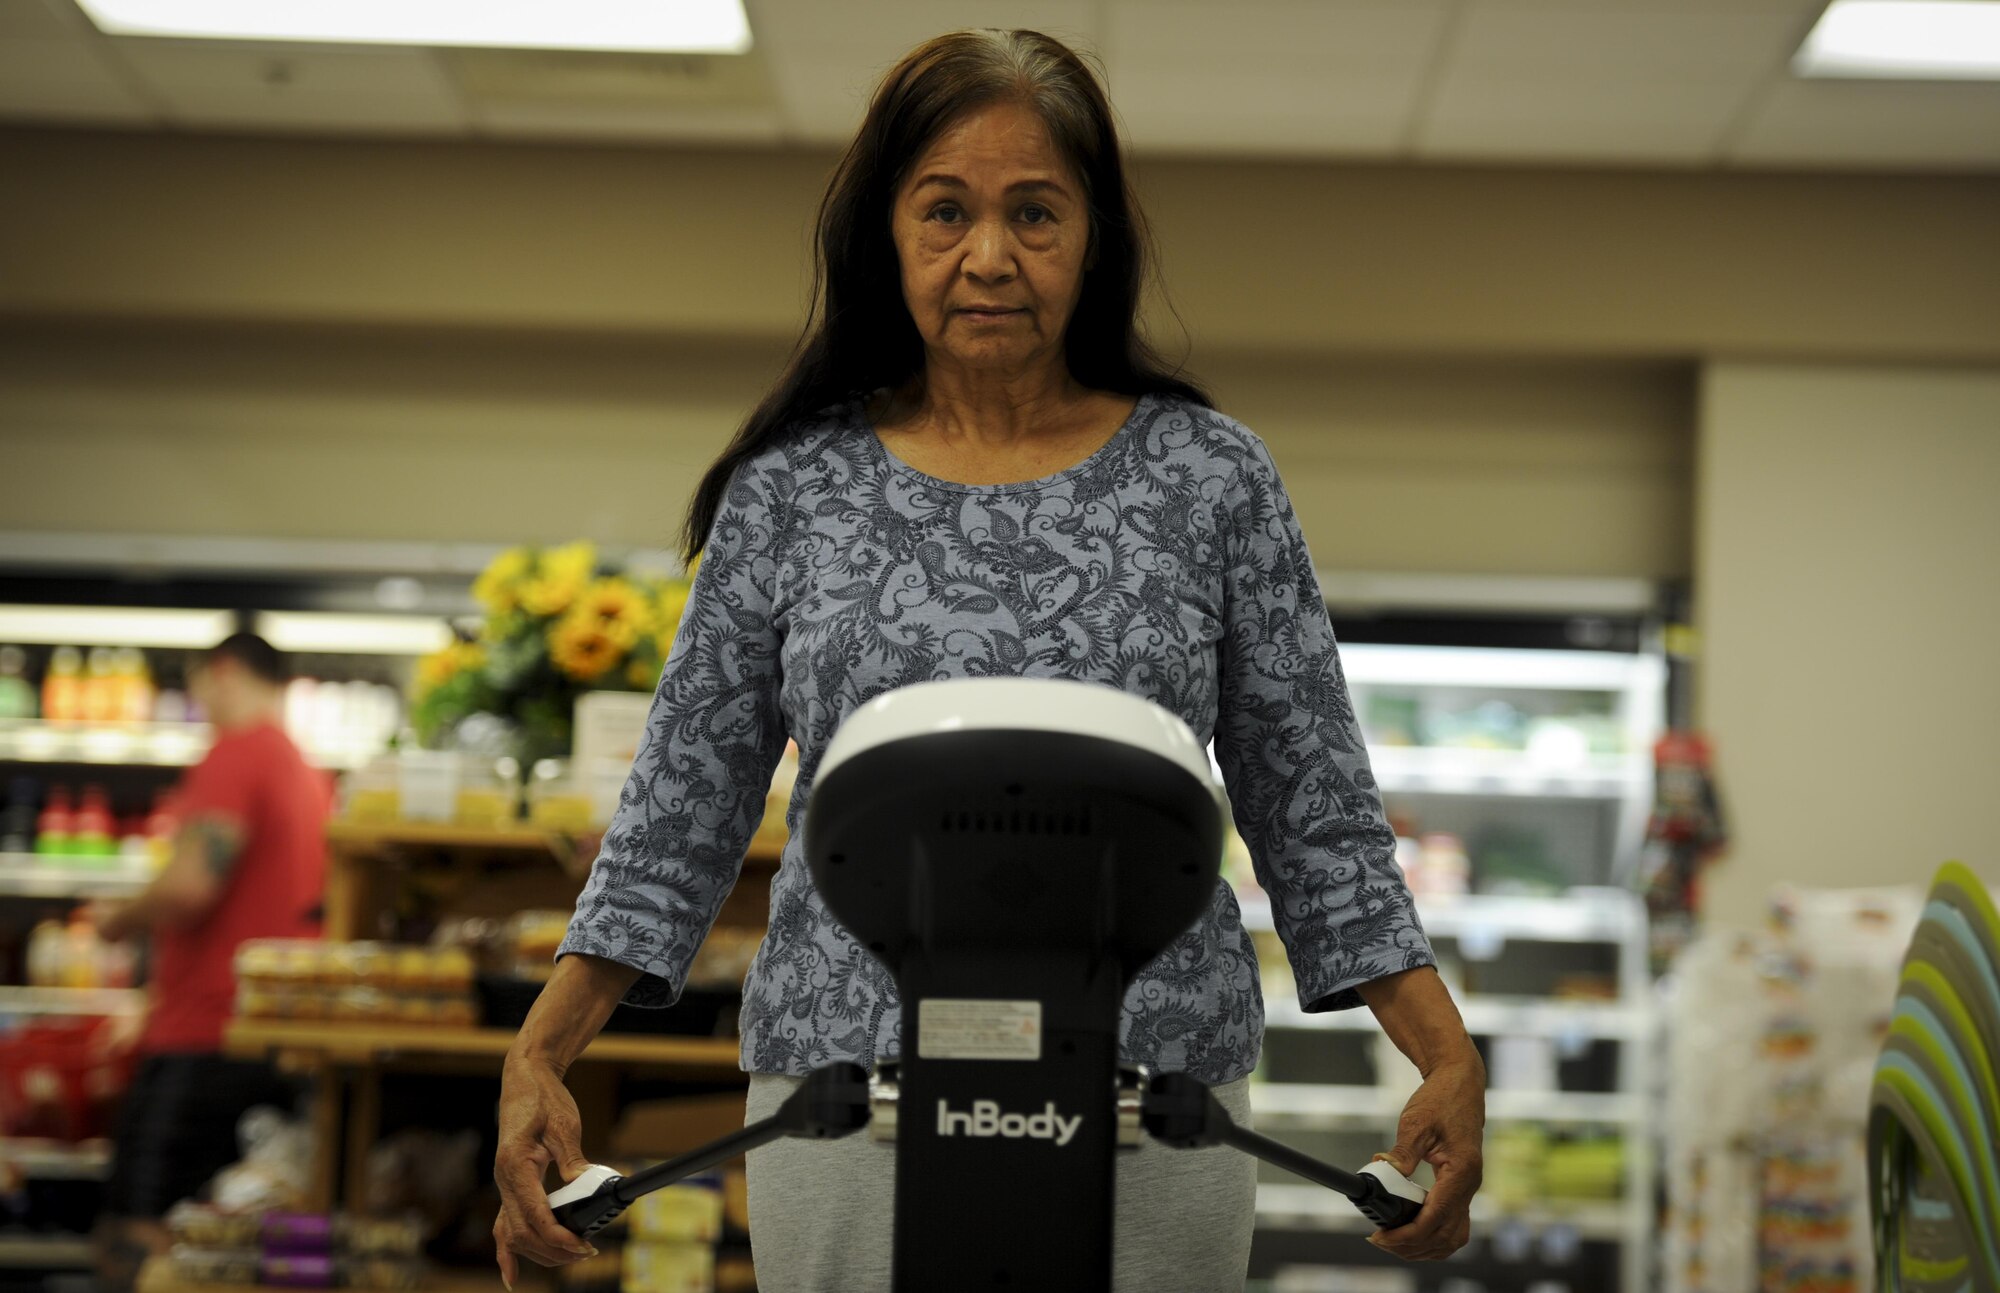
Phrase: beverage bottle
x=17 y=697
x=162 y=824
x=17 y=821
x=62 y=686
x=45 y=955
x=100 y=686
x=56 y=824
x=93 y=834
x=135 y=699
x=80 y=948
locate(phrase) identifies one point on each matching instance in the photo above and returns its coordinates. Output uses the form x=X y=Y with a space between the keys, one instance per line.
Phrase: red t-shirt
x=256 y=776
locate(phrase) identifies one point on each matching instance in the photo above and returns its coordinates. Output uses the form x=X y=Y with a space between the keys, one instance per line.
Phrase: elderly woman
x=973 y=467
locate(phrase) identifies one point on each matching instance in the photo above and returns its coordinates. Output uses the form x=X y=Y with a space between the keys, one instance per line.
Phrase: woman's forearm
x=1417 y=1012
x=571 y=1010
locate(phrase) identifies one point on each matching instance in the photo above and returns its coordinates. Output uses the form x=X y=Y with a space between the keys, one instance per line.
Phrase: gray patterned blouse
x=1169 y=564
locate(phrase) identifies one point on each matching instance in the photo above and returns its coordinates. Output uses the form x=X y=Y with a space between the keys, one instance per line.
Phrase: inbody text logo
x=985 y=1119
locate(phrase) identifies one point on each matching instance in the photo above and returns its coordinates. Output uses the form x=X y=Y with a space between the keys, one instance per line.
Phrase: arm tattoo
x=220 y=843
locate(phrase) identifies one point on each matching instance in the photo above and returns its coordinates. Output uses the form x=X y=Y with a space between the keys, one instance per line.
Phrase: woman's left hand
x=1444 y=1124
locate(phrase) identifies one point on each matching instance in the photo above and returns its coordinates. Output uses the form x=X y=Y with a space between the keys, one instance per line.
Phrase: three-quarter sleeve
x=1289 y=746
x=696 y=791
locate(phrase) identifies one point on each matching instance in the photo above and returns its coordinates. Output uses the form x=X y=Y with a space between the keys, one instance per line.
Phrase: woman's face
x=991 y=214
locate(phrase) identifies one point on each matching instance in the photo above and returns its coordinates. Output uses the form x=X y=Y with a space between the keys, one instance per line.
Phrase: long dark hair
x=866 y=338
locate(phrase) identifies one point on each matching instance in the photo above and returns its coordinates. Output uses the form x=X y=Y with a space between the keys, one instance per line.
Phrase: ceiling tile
x=47 y=19
x=64 y=80
x=1385 y=38
x=1732 y=45
x=1239 y=111
x=827 y=59
x=1917 y=124
x=321 y=87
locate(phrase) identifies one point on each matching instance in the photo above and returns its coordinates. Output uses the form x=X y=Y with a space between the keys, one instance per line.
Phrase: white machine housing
x=1023 y=704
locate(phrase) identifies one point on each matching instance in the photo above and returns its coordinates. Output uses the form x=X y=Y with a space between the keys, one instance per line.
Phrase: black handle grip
x=1385 y=1209
x=586 y=1216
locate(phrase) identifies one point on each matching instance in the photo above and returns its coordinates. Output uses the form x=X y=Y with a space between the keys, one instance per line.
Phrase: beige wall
x=1395 y=465
x=1846 y=550
x=1260 y=256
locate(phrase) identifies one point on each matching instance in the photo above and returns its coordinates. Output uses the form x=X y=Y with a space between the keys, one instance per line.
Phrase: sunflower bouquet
x=556 y=625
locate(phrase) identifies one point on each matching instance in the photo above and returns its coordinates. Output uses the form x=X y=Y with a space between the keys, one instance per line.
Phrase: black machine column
x=1014 y=910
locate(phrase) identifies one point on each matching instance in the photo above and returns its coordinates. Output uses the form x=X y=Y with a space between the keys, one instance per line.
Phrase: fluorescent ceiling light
x=1945 y=40
x=657 y=26
x=116 y=626
x=326 y=632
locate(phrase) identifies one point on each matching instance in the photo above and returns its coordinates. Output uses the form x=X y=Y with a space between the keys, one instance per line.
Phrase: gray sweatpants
x=821 y=1210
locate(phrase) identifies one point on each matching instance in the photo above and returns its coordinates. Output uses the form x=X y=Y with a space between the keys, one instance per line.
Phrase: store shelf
x=55 y=1159
x=33 y=875
x=361 y=837
x=1583 y=915
x=1309 y=1207
x=169 y=745
x=367 y=1043
x=1489 y=1016
x=1404 y=769
x=44 y=1252
x=129 y=745
x=157 y=1276
x=1327 y=1107
x=69 y=1001
x=1382 y=665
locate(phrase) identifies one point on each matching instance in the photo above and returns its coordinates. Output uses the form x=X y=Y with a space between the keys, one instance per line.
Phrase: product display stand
x=1014 y=850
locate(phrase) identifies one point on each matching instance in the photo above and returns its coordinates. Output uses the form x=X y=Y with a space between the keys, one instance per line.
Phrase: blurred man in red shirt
x=249 y=862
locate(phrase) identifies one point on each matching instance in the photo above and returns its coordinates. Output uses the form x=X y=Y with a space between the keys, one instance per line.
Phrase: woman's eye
x=939 y=211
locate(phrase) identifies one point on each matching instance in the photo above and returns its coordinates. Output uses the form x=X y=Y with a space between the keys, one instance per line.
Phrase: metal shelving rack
x=1598 y=807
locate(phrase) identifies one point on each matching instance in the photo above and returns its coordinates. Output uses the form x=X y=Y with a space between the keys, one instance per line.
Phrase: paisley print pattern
x=1169 y=564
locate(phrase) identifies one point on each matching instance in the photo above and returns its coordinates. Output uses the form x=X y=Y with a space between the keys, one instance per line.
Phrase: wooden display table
x=375 y=871
x=157 y=1276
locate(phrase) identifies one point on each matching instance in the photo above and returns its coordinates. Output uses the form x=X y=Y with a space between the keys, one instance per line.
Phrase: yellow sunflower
x=579 y=646
x=560 y=577
x=498 y=586
x=440 y=667
x=618 y=608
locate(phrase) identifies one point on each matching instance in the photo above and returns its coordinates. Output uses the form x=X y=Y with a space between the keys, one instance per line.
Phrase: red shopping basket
x=55 y=1083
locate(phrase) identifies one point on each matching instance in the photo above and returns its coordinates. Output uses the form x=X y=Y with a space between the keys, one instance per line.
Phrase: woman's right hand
x=539 y=1125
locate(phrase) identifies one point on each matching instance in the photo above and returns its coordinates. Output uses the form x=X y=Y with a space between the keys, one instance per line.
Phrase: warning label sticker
x=966 y=1029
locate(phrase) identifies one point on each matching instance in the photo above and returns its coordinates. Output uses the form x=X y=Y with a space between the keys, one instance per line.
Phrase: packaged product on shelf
x=687 y=1212
x=92 y=830
x=387 y=1237
x=304 y=980
x=371 y=793
x=17 y=819
x=557 y=800
x=427 y=783
x=100 y=688
x=62 y=686
x=134 y=689
x=214 y=1265
x=485 y=798
x=532 y=938
x=668 y=1268
x=53 y=828
x=205 y=1226
x=17 y=695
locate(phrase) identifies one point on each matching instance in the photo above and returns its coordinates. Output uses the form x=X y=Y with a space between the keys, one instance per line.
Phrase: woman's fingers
x=533 y=1233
